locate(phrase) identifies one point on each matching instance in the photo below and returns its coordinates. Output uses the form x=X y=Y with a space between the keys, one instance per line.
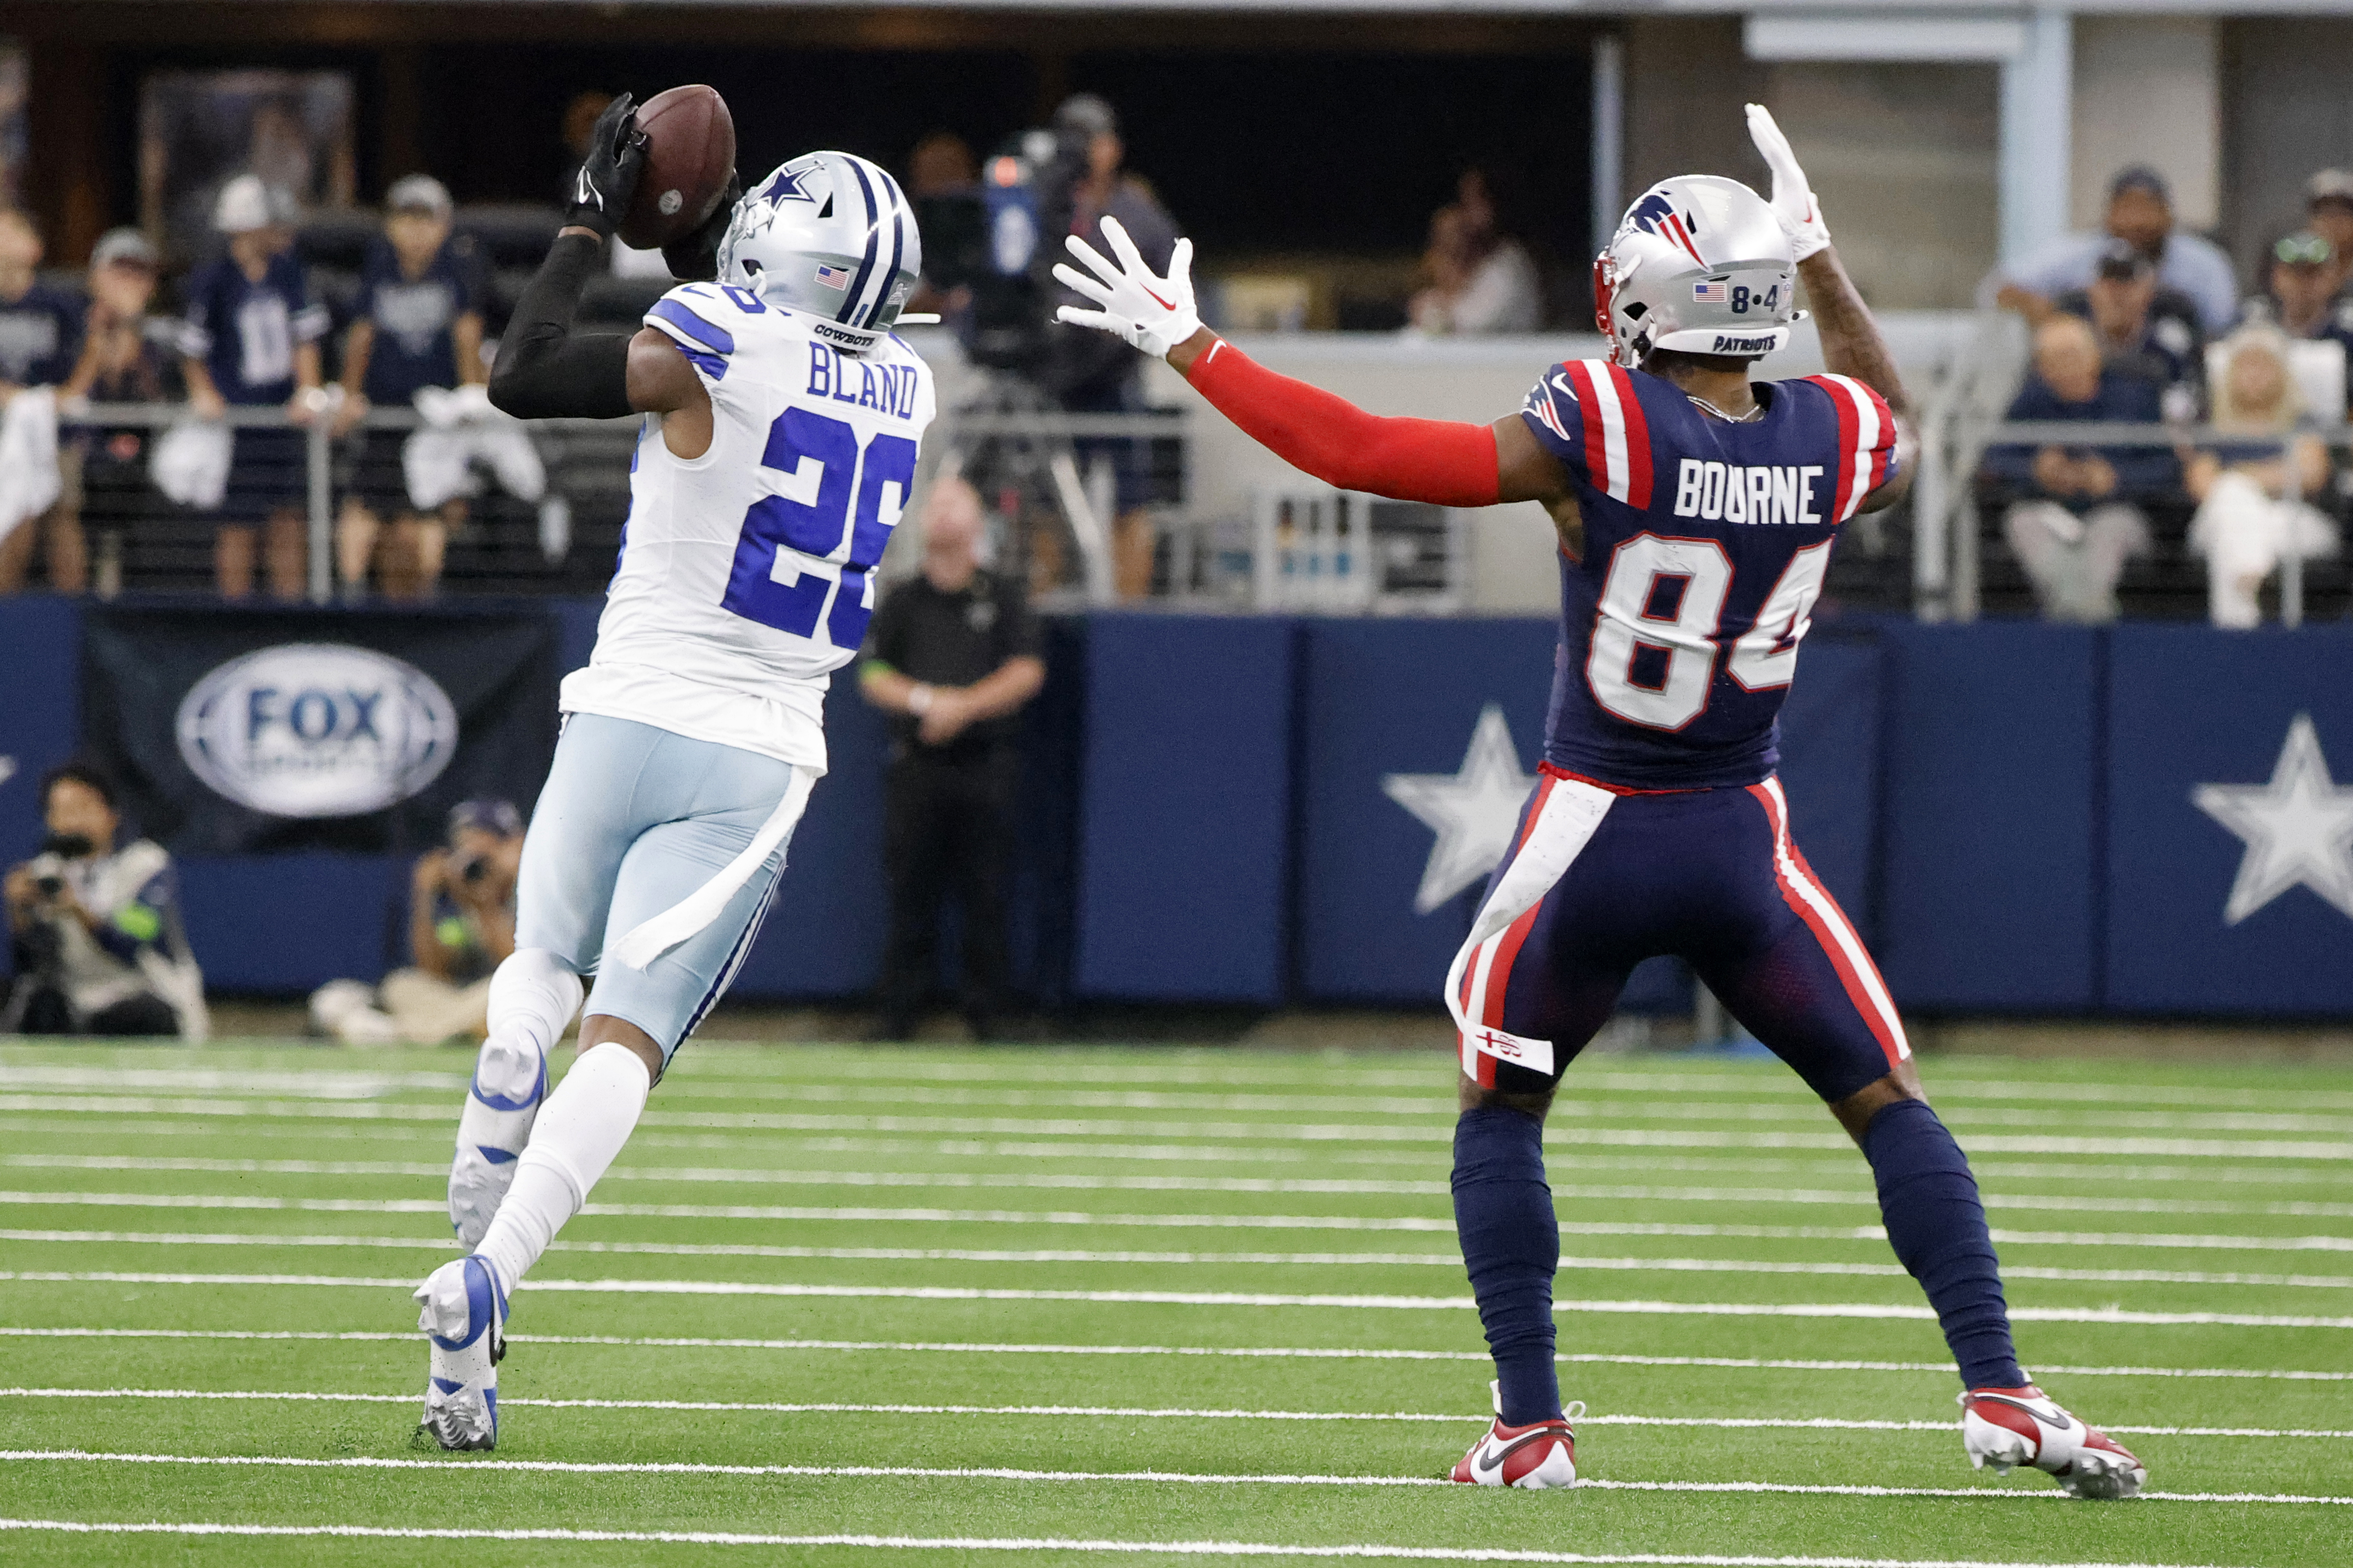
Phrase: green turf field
x=846 y=1304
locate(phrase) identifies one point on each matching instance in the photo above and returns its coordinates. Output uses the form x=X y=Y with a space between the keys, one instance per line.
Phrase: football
x=692 y=153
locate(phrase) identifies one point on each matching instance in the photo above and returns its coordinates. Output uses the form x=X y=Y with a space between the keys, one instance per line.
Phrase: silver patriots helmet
x=830 y=235
x=1699 y=265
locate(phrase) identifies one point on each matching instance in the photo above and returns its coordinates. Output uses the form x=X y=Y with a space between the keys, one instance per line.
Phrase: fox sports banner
x=295 y=730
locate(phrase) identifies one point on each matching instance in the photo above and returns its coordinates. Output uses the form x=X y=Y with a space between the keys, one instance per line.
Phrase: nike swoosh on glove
x=1154 y=313
x=608 y=176
x=1793 y=199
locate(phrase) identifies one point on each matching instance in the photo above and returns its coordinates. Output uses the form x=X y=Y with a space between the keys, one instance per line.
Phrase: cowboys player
x=1696 y=510
x=780 y=445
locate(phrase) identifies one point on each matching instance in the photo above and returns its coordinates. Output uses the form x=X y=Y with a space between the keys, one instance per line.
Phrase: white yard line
x=1449 y=1260
x=1320 y=1352
x=1281 y=1132
x=1005 y=1473
x=2271 y=1174
x=1861 y=1310
x=1026 y=1544
x=1123 y=1412
x=1416 y=1223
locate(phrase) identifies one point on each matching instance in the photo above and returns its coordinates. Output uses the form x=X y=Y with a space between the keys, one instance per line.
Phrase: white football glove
x=1154 y=313
x=1793 y=199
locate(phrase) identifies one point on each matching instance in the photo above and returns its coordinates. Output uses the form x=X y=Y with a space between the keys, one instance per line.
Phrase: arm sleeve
x=544 y=370
x=1432 y=460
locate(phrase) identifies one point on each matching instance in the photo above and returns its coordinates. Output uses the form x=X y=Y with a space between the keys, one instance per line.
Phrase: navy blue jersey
x=246 y=332
x=40 y=336
x=1706 y=545
x=414 y=345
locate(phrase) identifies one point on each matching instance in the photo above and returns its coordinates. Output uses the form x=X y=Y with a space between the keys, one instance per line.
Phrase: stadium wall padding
x=2009 y=812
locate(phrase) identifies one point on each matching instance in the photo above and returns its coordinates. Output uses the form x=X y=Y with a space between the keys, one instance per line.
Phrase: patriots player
x=782 y=417
x=1696 y=511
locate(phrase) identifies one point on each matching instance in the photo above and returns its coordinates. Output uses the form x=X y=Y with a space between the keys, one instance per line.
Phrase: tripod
x=1004 y=441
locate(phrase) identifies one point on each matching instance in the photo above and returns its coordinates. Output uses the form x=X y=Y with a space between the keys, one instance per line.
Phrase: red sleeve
x=1433 y=461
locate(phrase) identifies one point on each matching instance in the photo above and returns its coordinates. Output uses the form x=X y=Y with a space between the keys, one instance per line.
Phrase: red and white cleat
x=1541 y=1454
x=2006 y=1426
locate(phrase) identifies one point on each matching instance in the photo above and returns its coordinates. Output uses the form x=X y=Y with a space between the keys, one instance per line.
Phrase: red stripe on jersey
x=1787 y=867
x=1638 y=442
x=1596 y=441
x=1849 y=427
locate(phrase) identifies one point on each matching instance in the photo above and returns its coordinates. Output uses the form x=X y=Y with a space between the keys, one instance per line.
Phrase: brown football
x=693 y=151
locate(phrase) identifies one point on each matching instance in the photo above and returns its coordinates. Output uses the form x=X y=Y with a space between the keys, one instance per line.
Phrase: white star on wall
x=2298 y=828
x=1475 y=811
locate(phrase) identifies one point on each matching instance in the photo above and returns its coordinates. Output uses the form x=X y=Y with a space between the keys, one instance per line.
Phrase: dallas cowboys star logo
x=2298 y=828
x=1475 y=811
x=786 y=187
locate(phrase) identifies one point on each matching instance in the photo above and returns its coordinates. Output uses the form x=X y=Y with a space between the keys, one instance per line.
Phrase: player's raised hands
x=608 y=174
x=1793 y=198
x=1154 y=313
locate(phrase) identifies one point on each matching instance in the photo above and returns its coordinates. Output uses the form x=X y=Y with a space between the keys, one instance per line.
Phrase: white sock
x=532 y=998
x=586 y=1121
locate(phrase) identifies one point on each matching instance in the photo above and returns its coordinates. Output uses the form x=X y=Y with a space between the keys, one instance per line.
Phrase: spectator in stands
x=2145 y=331
x=462 y=926
x=98 y=944
x=2072 y=521
x=1482 y=278
x=941 y=169
x=2301 y=279
x=40 y=339
x=418 y=323
x=252 y=339
x=2140 y=212
x=2328 y=213
x=127 y=357
x=1086 y=371
x=2252 y=491
x=952 y=656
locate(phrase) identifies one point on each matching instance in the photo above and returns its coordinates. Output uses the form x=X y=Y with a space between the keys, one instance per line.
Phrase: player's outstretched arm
x=1438 y=461
x=544 y=369
x=1851 y=345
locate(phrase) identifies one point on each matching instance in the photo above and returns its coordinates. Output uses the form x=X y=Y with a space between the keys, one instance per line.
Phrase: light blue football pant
x=634 y=819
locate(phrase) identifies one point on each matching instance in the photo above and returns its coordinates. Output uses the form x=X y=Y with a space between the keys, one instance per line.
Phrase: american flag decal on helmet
x=833 y=276
x=1712 y=293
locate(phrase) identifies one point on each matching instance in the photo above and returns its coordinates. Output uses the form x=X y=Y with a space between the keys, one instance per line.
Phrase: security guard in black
x=952 y=655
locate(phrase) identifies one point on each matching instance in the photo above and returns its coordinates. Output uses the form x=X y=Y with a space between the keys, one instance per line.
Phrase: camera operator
x=96 y=931
x=1088 y=377
x=462 y=926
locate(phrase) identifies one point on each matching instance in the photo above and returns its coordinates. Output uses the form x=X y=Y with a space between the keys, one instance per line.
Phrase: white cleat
x=510 y=1082
x=2009 y=1426
x=462 y=1315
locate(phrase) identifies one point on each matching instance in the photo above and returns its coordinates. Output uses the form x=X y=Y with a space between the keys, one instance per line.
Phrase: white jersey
x=746 y=573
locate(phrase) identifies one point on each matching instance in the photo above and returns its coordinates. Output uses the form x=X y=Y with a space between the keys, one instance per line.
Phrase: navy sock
x=1511 y=1245
x=1937 y=1227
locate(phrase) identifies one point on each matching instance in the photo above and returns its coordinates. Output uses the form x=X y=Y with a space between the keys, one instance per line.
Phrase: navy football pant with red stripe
x=1598 y=880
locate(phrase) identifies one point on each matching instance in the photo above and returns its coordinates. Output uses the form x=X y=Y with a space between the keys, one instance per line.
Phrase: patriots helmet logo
x=1652 y=213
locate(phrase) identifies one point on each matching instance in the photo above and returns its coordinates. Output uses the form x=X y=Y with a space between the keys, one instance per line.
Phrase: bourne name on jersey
x=746 y=573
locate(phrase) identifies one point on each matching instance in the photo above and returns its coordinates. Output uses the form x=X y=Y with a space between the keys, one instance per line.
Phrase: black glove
x=608 y=176
x=694 y=258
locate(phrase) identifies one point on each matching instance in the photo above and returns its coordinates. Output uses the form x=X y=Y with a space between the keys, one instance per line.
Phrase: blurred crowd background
x=260 y=267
